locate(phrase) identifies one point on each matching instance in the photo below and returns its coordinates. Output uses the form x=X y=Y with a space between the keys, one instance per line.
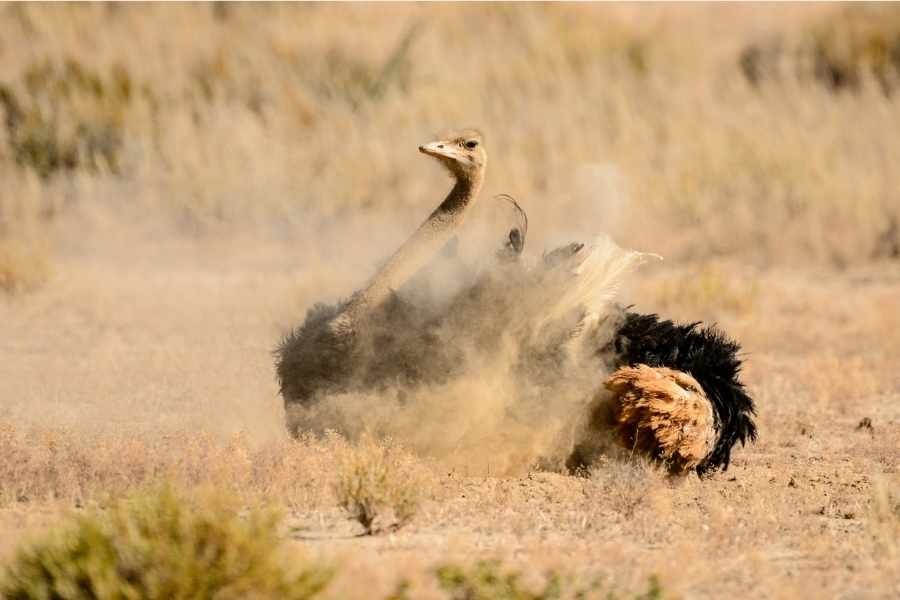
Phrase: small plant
x=487 y=580
x=24 y=265
x=161 y=546
x=379 y=484
x=627 y=484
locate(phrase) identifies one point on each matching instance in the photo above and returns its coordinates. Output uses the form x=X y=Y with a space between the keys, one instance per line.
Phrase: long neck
x=419 y=249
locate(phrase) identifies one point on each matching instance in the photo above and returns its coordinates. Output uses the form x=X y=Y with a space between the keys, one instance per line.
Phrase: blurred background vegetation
x=765 y=132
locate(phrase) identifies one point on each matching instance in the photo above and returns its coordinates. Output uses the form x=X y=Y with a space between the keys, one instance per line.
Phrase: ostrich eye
x=471 y=144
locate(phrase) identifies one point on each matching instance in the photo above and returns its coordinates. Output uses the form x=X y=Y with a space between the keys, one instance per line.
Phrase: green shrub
x=487 y=580
x=161 y=546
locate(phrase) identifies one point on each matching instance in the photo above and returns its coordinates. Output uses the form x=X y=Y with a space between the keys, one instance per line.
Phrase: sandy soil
x=146 y=348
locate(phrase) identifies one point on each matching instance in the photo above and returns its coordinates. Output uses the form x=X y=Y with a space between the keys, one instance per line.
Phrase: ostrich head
x=462 y=153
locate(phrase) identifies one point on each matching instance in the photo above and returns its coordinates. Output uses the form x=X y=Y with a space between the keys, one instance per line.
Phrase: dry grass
x=264 y=158
x=42 y=465
x=268 y=129
x=24 y=265
x=710 y=287
x=379 y=484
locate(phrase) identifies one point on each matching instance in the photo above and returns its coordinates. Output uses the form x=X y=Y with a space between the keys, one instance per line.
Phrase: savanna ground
x=179 y=183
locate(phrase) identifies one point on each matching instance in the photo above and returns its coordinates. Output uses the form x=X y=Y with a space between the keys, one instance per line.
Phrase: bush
x=627 y=484
x=379 y=484
x=487 y=580
x=161 y=546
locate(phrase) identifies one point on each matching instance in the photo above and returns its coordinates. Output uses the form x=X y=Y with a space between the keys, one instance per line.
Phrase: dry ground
x=127 y=361
x=146 y=353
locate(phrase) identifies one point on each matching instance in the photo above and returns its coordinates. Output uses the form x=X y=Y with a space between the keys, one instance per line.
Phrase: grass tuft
x=379 y=484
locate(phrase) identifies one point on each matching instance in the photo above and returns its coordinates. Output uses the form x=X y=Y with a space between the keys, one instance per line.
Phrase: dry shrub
x=626 y=485
x=162 y=545
x=380 y=484
x=25 y=265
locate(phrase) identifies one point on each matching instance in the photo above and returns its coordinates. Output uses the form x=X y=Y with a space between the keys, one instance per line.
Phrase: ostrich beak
x=438 y=149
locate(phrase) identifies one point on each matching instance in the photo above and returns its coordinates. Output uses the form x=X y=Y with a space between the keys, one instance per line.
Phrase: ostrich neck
x=427 y=241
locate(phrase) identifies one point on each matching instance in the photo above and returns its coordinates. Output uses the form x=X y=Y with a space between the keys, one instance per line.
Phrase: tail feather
x=664 y=413
x=707 y=355
x=589 y=279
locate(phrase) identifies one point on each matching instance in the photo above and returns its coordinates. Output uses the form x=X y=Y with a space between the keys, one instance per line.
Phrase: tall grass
x=304 y=112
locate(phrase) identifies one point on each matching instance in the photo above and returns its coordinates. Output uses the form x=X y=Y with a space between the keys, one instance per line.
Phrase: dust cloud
x=155 y=322
x=505 y=361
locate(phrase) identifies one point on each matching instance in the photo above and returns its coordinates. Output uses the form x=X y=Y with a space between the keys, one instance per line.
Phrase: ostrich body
x=671 y=392
x=325 y=353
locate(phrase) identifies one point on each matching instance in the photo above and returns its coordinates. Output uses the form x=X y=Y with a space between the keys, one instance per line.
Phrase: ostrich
x=333 y=346
x=668 y=391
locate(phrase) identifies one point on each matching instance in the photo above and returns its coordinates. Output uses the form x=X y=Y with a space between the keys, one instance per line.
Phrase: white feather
x=591 y=280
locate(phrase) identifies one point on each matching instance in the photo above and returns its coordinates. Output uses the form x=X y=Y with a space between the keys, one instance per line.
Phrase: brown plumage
x=664 y=413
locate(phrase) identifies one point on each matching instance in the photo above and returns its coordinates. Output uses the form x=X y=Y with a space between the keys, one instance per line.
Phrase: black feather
x=710 y=357
x=398 y=344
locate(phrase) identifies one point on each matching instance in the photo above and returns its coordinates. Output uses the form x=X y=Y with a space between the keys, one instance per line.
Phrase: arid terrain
x=178 y=184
